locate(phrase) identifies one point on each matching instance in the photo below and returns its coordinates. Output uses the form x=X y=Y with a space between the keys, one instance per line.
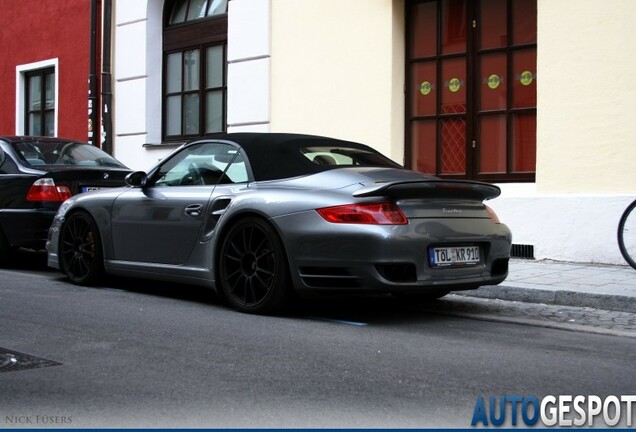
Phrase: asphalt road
x=140 y=354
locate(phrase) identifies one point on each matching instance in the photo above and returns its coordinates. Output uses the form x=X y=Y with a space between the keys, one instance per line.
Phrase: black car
x=36 y=175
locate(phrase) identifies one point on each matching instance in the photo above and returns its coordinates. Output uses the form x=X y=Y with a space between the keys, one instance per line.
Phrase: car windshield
x=47 y=153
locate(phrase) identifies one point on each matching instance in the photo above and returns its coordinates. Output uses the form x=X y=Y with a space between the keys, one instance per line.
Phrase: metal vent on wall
x=522 y=251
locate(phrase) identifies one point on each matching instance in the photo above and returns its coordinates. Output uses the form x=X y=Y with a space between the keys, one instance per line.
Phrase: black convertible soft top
x=275 y=156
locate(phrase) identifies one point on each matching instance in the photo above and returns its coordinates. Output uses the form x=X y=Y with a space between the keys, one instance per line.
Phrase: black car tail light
x=45 y=189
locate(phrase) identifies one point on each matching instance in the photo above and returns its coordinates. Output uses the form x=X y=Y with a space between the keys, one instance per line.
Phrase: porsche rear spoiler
x=412 y=189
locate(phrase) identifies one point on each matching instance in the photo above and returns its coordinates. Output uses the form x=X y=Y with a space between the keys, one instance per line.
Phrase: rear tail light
x=45 y=189
x=385 y=213
x=492 y=214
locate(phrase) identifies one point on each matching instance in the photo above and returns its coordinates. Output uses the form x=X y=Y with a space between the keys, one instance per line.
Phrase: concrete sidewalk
x=597 y=286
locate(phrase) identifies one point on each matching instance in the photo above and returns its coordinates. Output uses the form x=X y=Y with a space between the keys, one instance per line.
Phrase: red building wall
x=36 y=30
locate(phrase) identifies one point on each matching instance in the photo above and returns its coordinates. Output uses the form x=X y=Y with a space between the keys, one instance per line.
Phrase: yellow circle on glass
x=454 y=85
x=526 y=78
x=425 y=88
x=494 y=81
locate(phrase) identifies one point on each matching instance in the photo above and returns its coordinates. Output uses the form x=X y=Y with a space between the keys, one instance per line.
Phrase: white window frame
x=20 y=89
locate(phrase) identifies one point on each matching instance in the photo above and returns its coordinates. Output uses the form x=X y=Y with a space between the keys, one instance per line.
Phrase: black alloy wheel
x=81 y=249
x=253 y=269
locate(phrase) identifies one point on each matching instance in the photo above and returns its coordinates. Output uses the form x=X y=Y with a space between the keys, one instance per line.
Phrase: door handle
x=194 y=210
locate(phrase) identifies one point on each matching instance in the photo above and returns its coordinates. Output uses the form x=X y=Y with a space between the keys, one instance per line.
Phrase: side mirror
x=137 y=179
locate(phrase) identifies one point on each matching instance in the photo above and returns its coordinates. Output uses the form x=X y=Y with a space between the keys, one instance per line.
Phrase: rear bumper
x=26 y=227
x=373 y=258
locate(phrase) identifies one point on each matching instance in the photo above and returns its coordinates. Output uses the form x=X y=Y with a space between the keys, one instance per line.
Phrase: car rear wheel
x=253 y=270
x=81 y=249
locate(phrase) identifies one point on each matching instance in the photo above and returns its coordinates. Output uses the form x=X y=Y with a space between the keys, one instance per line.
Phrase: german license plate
x=454 y=256
x=90 y=188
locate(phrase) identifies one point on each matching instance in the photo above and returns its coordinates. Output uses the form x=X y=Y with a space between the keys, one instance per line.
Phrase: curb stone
x=561 y=297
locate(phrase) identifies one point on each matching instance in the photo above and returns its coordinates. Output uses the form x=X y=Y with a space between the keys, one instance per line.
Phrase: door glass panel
x=35 y=124
x=424 y=97
x=424 y=145
x=191 y=114
x=173 y=111
x=492 y=81
x=173 y=72
x=214 y=111
x=454 y=82
x=524 y=91
x=49 y=88
x=492 y=144
x=524 y=138
x=217 y=7
x=493 y=24
x=453 y=146
x=179 y=12
x=524 y=22
x=424 y=30
x=453 y=35
x=197 y=9
x=191 y=68
x=214 y=66
x=35 y=93
x=49 y=123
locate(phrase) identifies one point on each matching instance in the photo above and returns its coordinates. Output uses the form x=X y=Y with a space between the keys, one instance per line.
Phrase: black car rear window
x=46 y=153
x=339 y=156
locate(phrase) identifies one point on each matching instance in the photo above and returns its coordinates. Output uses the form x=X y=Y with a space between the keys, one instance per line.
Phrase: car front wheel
x=253 y=270
x=81 y=249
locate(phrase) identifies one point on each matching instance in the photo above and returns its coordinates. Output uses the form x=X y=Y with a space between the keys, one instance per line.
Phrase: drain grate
x=11 y=361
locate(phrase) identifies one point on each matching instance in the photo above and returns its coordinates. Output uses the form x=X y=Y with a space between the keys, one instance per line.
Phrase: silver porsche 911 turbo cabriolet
x=260 y=216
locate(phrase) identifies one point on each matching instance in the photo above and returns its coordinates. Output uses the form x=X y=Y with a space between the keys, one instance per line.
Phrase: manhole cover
x=11 y=361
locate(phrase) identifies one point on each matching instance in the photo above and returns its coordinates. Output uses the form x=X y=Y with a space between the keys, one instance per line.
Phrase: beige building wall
x=586 y=133
x=586 y=121
x=337 y=69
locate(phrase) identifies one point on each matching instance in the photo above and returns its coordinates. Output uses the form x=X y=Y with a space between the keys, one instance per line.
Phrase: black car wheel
x=81 y=249
x=253 y=269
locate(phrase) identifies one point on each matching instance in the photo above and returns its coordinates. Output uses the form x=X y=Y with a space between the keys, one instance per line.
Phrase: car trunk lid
x=85 y=180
